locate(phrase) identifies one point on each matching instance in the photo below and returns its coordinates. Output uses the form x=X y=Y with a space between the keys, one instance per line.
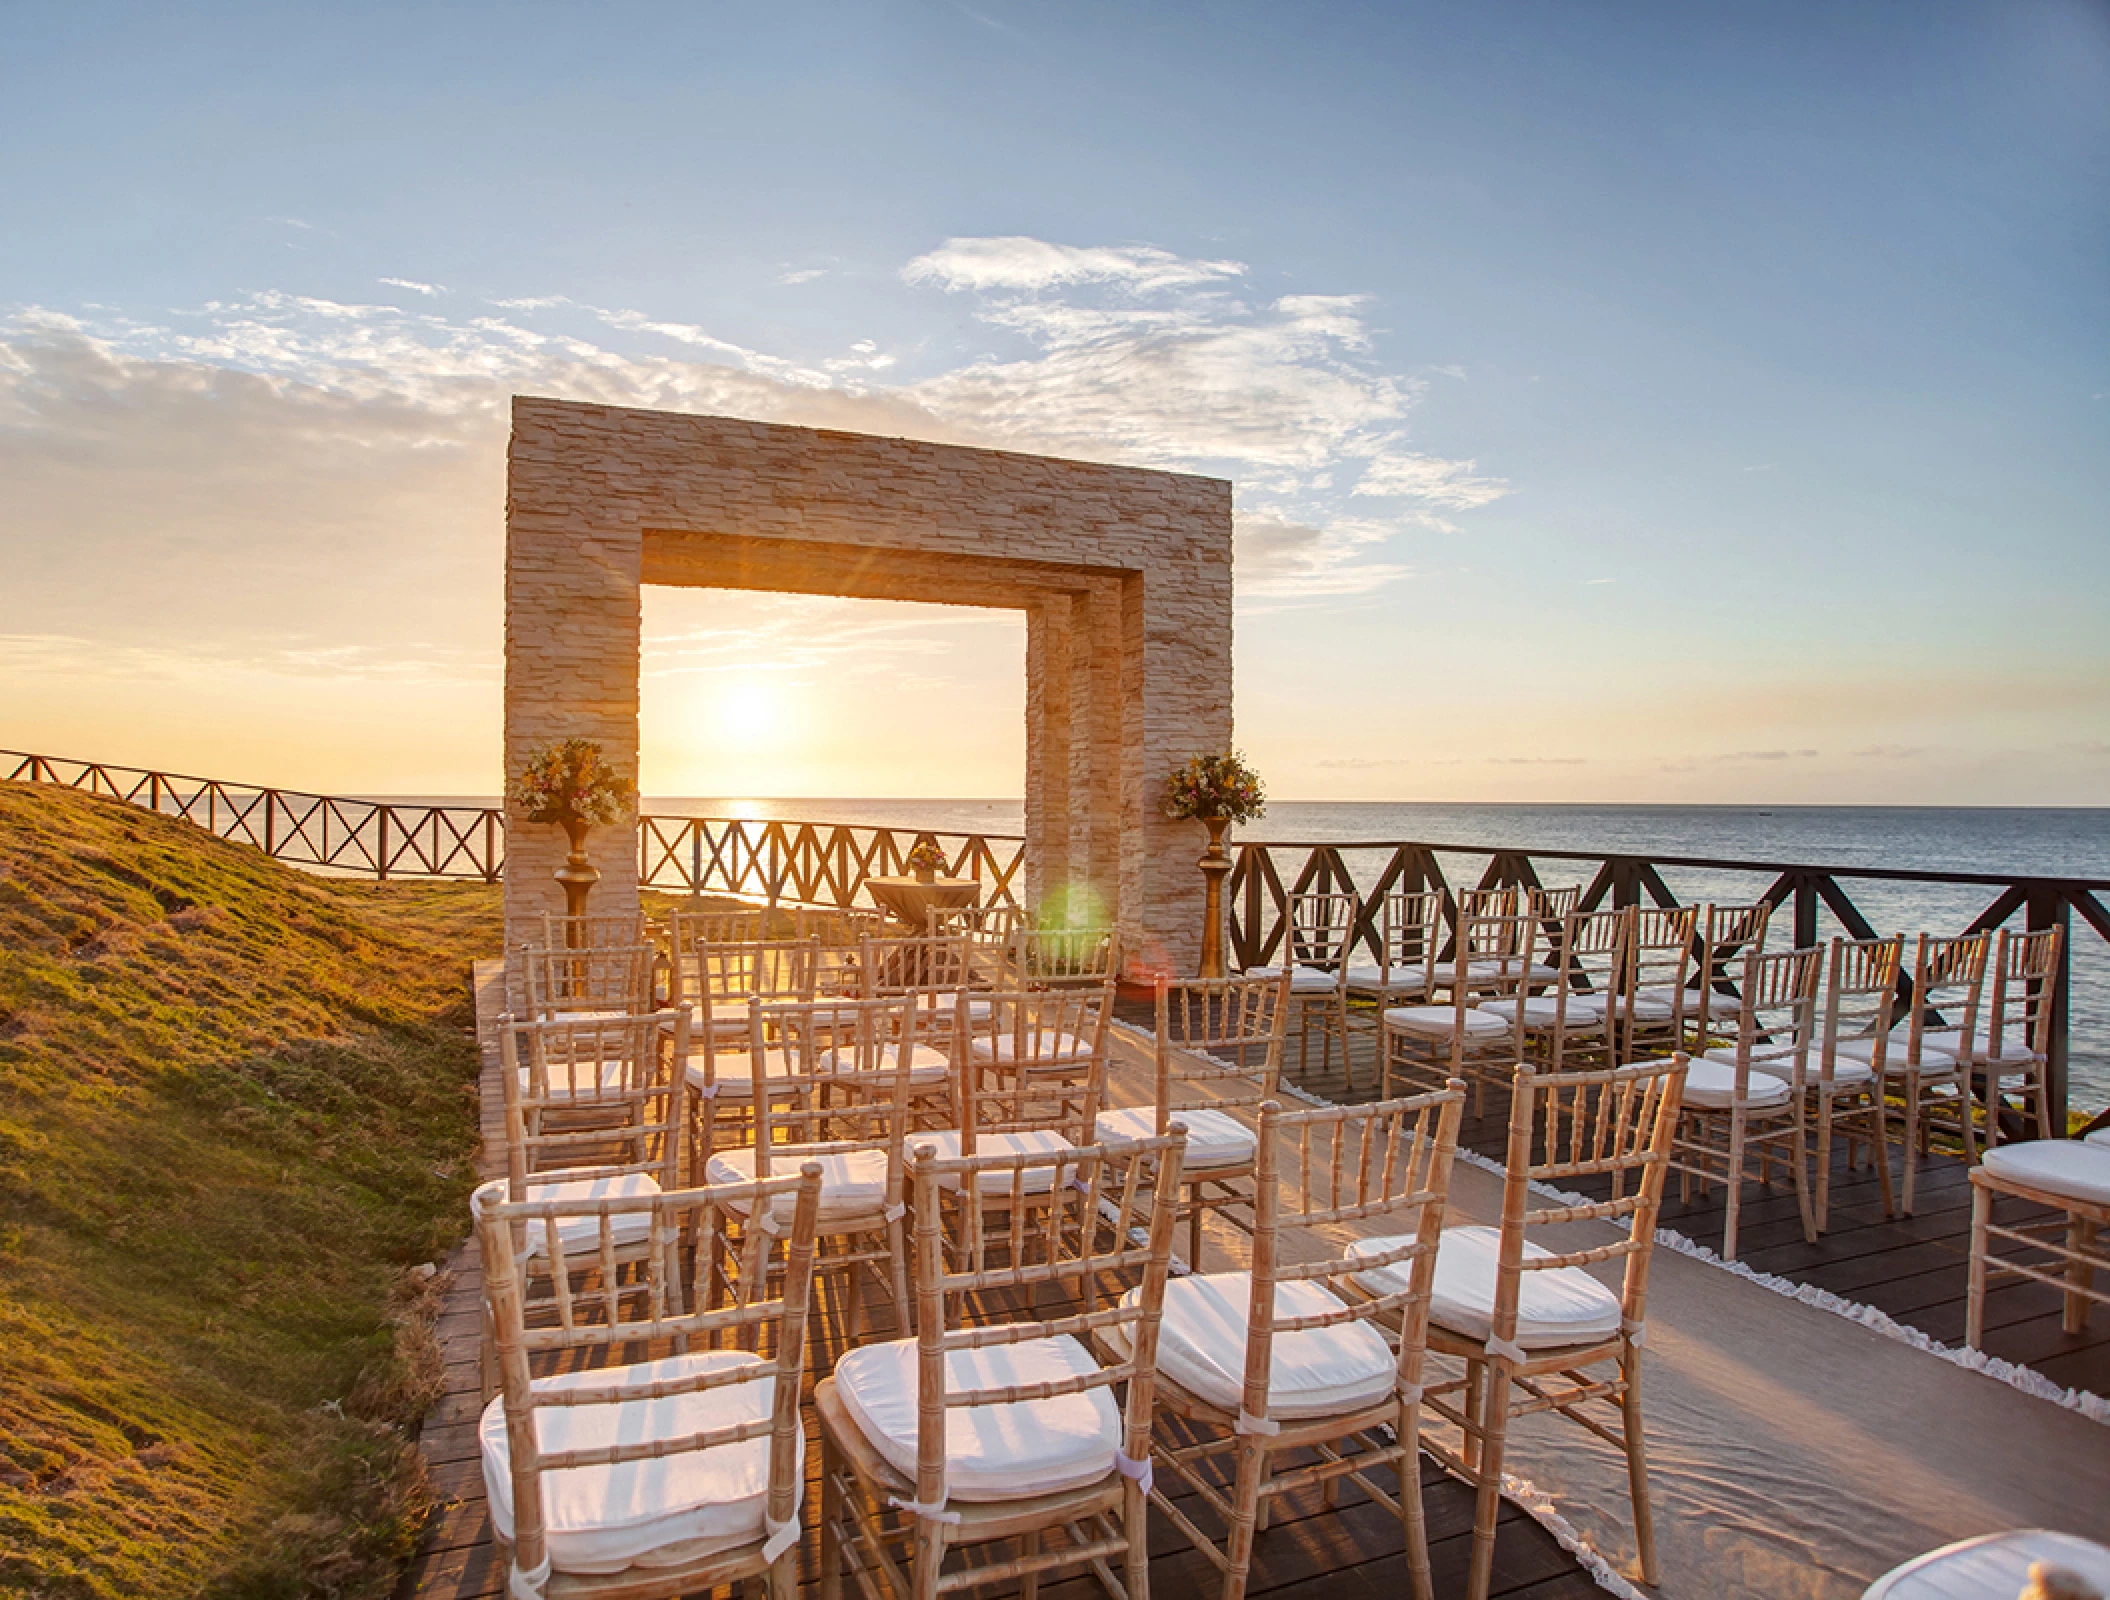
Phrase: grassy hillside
x=237 y=1104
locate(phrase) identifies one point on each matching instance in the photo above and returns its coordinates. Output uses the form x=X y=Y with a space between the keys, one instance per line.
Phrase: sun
x=749 y=710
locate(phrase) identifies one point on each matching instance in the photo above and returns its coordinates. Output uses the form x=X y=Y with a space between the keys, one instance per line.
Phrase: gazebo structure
x=1124 y=575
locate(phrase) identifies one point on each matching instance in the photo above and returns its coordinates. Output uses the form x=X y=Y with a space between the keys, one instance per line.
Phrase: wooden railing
x=361 y=838
x=813 y=863
x=827 y=864
x=1815 y=898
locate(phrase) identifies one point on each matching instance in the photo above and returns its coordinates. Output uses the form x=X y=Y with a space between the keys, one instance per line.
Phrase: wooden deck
x=1912 y=1268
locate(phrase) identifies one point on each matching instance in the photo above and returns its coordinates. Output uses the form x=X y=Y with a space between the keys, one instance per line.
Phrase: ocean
x=2072 y=843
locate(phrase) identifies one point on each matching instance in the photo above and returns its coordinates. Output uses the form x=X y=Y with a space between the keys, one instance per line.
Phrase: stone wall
x=1124 y=576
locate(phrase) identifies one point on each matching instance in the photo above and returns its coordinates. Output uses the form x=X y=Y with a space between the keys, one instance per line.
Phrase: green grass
x=237 y=1104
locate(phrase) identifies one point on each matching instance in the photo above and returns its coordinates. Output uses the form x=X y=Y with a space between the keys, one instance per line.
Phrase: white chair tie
x=935 y=1510
x=522 y=1584
x=782 y=1536
x=1410 y=1394
x=1636 y=1332
x=767 y=1221
x=1248 y=1423
x=1507 y=1350
x=707 y=1091
x=1142 y=1472
x=894 y=1213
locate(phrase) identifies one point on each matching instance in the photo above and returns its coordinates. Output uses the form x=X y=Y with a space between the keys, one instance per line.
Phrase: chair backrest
x=837 y=927
x=1318 y=931
x=1664 y=958
x=1036 y=1059
x=1410 y=935
x=599 y=928
x=1493 y=953
x=1388 y=1162
x=987 y=928
x=833 y=1072
x=1727 y=933
x=560 y=980
x=1858 y=998
x=916 y=965
x=594 y=1098
x=753 y=1341
x=722 y=978
x=1076 y=1217
x=1550 y=905
x=1057 y=957
x=1776 y=1014
x=1592 y=950
x=1563 y=1127
x=2019 y=1012
x=1499 y=900
x=690 y=931
x=1219 y=1042
x=1948 y=982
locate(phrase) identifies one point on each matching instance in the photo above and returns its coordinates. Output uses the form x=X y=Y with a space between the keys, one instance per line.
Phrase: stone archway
x=1124 y=576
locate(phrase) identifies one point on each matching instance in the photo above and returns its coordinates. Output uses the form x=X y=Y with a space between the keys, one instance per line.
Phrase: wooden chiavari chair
x=836 y=1080
x=838 y=933
x=673 y=1474
x=2070 y=1177
x=939 y=972
x=1934 y=1084
x=1410 y=934
x=1576 y=1021
x=1727 y=934
x=1491 y=961
x=1552 y=905
x=1293 y=1356
x=1061 y=957
x=691 y=931
x=2010 y=1051
x=586 y=980
x=1219 y=1056
x=1534 y=1329
x=997 y=1422
x=1318 y=946
x=1658 y=987
x=1846 y=1089
x=1747 y=1098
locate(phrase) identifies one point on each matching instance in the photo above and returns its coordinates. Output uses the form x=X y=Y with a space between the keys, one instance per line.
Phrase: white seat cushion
x=1042 y=1047
x=1302 y=980
x=606 y=1518
x=1403 y=980
x=1847 y=1073
x=1440 y=1022
x=1556 y=1306
x=1660 y=1001
x=2014 y=1045
x=1214 y=1138
x=926 y=1063
x=1932 y=1057
x=1025 y=1142
x=1495 y=969
x=584 y=1233
x=946 y=1003
x=733 y=1071
x=575 y=1082
x=853 y=1182
x=1315 y=1372
x=2075 y=1168
x=1544 y=1011
x=1710 y=1084
x=1002 y=1451
x=2101 y=1136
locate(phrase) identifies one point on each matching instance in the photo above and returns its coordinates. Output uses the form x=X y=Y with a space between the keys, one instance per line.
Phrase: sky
x=1624 y=403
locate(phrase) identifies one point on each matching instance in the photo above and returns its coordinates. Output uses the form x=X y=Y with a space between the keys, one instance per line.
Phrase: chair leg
x=898 y=1246
x=1029 y=1585
x=1824 y=1160
x=1798 y=1148
x=831 y=1521
x=1637 y=1463
x=1487 y=1504
x=2040 y=1075
x=1245 y=1515
x=1966 y=1107
x=929 y=1557
x=1913 y=1131
x=1194 y=1230
x=1974 y=1303
x=1413 y=1518
x=2080 y=1276
x=1879 y=1121
x=1733 y=1171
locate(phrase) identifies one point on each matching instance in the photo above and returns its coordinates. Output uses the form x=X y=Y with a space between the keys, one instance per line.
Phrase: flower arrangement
x=926 y=857
x=1212 y=786
x=571 y=782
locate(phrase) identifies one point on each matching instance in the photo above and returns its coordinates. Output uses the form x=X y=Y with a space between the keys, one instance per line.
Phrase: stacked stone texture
x=1124 y=575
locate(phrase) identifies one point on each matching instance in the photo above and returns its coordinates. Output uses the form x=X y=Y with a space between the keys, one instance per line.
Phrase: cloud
x=427 y=289
x=1017 y=262
x=1275 y=556
x=804 y=275
x=1451 y=485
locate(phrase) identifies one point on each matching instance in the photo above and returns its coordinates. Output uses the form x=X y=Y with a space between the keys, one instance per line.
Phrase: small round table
x=911 y=900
